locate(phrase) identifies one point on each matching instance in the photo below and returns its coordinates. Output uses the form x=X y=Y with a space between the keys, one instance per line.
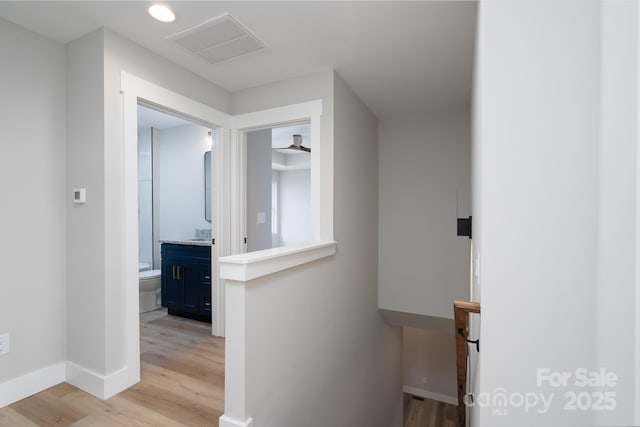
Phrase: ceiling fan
x=297 y=145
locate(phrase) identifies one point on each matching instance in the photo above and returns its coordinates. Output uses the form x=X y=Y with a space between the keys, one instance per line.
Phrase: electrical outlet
x=425 y=380
x=4 y=344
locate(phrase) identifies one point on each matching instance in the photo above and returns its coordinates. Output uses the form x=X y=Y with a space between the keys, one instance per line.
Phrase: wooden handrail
x=461 y=310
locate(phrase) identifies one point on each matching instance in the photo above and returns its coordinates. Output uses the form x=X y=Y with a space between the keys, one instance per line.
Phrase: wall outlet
x=425 y=380
x=4 y=344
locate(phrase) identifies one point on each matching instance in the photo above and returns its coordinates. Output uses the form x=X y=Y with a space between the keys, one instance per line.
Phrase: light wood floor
x=182 y=370
x=420 y=412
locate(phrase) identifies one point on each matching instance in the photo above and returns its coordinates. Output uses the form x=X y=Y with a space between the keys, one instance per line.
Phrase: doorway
x=138 y=91
x=174 y=212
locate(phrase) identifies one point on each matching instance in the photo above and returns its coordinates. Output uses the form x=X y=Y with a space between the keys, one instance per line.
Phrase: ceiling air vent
x=218 y=40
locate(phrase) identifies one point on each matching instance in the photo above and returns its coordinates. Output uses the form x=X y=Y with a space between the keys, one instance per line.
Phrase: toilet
x=149 y=290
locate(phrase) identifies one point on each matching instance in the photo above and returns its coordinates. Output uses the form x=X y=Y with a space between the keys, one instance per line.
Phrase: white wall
x=295 y=207
x=429 y=362
x=180 y=181
x=424 y=186
x=554 y=163
x=85 y=223
x=319 y=353
x=96 y=232
x=34 y=201
x=617 y=198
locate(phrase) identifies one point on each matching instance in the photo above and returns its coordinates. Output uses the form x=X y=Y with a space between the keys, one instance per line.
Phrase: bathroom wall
x=145 y=197
x=179 y=180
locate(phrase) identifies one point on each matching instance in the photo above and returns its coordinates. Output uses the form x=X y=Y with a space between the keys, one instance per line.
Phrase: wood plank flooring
x=182 y=384
x=420 y=412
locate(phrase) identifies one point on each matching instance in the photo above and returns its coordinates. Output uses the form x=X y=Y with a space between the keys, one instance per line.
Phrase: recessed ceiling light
x=162 y=13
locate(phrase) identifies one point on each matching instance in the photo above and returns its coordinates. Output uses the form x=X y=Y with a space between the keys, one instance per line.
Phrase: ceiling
x=399 y=57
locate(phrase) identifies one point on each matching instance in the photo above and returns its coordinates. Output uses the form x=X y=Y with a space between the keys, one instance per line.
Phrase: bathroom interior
x=176 y=166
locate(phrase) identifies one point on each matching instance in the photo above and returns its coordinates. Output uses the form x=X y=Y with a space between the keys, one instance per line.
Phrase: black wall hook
x=465 y=226
x=466 y=338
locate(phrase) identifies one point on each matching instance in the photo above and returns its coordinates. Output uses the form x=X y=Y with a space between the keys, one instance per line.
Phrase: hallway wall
x=95 y=61
x=338 y=363
x=555 y=205
x=424 y=185
x=34 y=203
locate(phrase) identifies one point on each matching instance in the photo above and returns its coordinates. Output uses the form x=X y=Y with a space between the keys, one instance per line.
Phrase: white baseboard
x=101 y=386
x=121 y=380
x=85 y=380
x=430 y=395
x=24 y=386
x=232 y=422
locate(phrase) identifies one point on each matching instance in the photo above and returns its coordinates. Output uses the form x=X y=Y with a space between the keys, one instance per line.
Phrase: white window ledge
x=252 y=265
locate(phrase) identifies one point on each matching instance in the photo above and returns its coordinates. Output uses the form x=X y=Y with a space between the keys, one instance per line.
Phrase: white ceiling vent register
x=218 y=40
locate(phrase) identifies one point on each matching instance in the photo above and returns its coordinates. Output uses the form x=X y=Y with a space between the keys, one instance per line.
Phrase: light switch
x=79 y=195
x=262 y=217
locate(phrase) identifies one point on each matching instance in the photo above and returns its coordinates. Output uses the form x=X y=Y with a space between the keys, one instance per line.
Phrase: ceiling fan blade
x=294 y=147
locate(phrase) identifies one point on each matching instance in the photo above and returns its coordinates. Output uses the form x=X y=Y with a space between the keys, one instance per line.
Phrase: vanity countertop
x=192 y=242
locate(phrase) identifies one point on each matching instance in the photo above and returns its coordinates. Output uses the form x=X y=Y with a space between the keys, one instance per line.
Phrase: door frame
x=138 y=91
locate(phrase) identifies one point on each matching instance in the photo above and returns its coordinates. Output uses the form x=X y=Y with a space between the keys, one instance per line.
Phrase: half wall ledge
x=252 y=265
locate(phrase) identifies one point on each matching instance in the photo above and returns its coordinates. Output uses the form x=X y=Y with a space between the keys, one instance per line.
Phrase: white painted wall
x=96 y=296
x=85 y=224
x=424 y=186
x=617 y=196
x=554 y=161
x=319 y=353
x=429 y=363
x=34 y=202
x=295 y=209
x=180 y=181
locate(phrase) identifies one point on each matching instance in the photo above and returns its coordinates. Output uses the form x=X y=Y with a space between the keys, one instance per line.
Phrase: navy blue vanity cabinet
x=204 y=290
x=186 y=280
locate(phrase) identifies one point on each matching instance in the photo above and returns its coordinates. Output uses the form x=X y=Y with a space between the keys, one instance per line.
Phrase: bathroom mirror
x=207 y=186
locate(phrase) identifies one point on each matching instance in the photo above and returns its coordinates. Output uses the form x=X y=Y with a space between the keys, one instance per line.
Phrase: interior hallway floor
x=182 y=384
